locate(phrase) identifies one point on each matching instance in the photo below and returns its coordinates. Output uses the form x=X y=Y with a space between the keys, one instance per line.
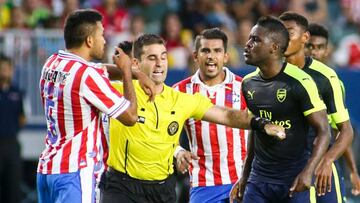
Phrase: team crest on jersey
x=173 y=128
x=281 y=95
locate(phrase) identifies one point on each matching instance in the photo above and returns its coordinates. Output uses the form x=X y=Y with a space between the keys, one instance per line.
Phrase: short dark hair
x=276 y=31
x=299 y=19
x=212 y=33
x=126 y=46
x=318 y=30
x=144 y=40
x=79 y=25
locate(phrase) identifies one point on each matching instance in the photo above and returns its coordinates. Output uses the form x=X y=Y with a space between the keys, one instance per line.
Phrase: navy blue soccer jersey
x=286 y=100
x=330 y=90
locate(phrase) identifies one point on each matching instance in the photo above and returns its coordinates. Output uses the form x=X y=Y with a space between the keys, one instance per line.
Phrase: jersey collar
x=308 y=62
x=71 y=56
x=166 y=92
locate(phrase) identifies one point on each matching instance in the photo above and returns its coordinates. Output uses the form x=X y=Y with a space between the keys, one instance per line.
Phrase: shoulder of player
x=118 y=85
x=181 y=85
x=233 y=78
x=250 y=75
x=296 y=73
x=174 y=94
x=323 y=69
x=299 y=78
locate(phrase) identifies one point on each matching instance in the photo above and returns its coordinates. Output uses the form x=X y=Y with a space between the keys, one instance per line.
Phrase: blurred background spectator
x=12 y=118
x=115 y=17
x=5 y=14
x=178 y=53
x=36 y=13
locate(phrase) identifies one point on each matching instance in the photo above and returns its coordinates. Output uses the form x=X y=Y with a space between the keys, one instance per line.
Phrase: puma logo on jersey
x=250 y=94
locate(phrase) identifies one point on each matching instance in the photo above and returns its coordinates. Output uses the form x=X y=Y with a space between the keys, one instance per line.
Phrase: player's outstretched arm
x=241 y=119
x=319 y=122
x=123 y=62
x=238 y=189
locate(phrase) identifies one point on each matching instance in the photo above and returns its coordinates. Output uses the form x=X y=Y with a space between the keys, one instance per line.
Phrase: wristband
x=258 y=123
x=178 y=150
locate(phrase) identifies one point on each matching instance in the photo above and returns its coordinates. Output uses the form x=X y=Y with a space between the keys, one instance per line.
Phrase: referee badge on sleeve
x=173 y=128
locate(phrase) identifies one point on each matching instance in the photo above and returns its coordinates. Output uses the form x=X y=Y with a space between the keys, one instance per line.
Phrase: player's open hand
x=237 y=191
x=301 y=183
x=275 y=130
x=183 y=160
x=122 y=60
x=323 y=174
x=355 y=181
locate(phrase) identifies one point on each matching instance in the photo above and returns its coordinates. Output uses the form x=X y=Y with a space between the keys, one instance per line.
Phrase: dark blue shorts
x=261 y=192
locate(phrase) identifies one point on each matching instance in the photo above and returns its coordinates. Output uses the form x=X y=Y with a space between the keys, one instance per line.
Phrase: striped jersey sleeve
x=99 y=92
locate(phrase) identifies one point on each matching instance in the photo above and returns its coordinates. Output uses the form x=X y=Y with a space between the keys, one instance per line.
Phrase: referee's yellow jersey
x=145 y=151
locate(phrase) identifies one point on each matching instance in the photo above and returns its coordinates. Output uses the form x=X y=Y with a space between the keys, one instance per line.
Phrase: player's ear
x=275 y=48
x=195 y=55
x=89 y=41
x=135 y=62
x=305 y=37
x=226 y=57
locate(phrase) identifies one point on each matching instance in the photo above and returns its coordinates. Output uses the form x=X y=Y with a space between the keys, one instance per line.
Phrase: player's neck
x=81 y=52
x=271 y=68
x=297 y=59
x=212 y=81
x=159 y=88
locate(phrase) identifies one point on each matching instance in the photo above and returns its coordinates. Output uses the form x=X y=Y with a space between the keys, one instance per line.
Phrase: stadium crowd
x=178 y=22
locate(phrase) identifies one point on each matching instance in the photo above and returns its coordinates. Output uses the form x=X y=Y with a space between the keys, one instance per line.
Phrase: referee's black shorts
x=116 y=187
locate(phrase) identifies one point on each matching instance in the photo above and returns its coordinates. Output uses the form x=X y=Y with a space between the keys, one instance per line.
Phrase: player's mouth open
x=246 y=53
x=211 y=65
x=158 y=72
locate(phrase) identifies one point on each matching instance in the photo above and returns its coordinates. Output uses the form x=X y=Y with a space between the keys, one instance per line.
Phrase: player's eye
x=309 y=46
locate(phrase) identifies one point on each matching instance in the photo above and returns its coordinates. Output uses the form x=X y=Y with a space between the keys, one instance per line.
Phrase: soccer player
x=141 y=157
x=288 y=96
x=12 y=119
x=73 y=92
x=218 y=150
x=317 y=47
x=327 y=81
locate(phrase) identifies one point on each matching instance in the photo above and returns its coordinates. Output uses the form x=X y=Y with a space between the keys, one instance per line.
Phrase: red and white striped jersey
x=73 y=93
x=221 y=149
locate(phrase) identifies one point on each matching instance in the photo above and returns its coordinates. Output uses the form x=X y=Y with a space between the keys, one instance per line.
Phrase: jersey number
x=51 y=123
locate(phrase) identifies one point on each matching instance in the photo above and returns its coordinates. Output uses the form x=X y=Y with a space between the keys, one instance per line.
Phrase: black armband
x=258 y=123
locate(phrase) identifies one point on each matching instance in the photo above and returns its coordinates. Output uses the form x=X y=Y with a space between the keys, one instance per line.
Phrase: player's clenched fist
x=275 y=130
x=122 y=60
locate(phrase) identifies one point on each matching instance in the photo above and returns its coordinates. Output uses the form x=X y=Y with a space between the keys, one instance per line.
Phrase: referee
x=141 y=157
